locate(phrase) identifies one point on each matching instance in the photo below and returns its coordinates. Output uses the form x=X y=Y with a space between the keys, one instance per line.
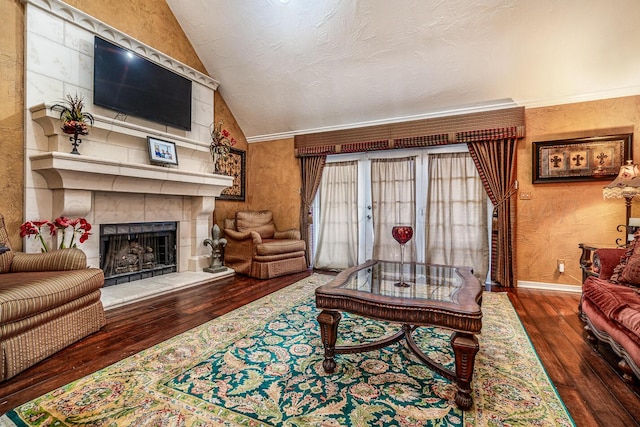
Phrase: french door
x=437 y=191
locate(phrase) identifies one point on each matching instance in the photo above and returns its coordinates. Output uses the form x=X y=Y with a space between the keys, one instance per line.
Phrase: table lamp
x=626 y=186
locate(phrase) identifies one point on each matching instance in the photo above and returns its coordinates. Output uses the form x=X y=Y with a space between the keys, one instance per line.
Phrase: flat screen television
x=128 y=83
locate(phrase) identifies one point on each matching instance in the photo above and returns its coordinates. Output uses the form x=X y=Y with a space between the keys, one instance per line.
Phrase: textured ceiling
x=295 y=66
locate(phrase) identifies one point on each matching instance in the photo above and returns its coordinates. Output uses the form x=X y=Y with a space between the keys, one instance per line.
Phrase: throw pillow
x=631 y=274
x=617 y=271
x=631 y=250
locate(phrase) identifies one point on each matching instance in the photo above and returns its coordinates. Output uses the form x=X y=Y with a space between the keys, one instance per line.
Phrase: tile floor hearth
x=126 y=293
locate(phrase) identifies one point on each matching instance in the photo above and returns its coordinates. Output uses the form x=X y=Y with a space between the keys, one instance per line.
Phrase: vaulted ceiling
x=297 y=66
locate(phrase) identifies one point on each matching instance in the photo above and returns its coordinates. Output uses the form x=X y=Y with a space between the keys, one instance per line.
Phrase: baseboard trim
x=549 y=286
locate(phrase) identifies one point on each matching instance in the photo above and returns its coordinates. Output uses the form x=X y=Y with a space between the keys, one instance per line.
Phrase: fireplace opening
x=137 y=251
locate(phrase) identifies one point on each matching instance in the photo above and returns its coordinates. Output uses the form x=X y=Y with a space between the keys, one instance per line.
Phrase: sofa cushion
x=258 y=221
x=629 y=317
x=27 y=294
x=280 y=246
x=5 y=258
x=24 y=325
x=622 y=337
x=609 y=297
x=278 y=257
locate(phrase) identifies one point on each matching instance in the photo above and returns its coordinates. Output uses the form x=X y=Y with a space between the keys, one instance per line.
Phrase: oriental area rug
x=261 y=365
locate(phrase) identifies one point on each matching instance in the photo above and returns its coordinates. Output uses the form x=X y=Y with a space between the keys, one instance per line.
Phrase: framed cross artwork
x=580 y=159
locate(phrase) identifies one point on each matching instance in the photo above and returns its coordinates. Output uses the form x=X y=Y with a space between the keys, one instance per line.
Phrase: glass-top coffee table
x=444 y=296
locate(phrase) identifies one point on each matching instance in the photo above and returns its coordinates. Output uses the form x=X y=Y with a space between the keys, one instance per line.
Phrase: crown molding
x=491 y=106
x=583 y=97
x=533 y=103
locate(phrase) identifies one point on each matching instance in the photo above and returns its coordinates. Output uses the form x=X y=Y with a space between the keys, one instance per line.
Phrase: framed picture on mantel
x=580 y=159
x=162 y=152
x=234 y=165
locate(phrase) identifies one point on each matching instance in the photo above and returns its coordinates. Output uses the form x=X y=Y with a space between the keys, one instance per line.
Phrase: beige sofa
x=255 y=248
x=47 y=302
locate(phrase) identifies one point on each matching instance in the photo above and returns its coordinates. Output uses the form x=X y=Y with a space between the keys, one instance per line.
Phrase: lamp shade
x=634 y=222
x=626 y=185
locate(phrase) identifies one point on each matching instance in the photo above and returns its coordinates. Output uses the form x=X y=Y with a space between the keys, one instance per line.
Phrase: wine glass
x=402 y=234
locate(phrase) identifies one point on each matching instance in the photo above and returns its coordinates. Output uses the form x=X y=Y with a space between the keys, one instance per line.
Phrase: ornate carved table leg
x=465 y=347
x=328 y=321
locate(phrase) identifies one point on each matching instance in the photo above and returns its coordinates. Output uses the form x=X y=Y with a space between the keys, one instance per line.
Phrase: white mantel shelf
x=103 y=126
x=77 y=172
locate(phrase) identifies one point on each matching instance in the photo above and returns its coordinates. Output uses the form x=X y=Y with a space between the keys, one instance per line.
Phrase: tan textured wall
x=227 y=208
x=559 y=216
x=150 y=21
x=12 y=116
x=275 y=181
x=272 y=177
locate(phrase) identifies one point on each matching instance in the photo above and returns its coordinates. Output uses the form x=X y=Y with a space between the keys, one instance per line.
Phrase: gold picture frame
x=580 y=159
x=234 y=165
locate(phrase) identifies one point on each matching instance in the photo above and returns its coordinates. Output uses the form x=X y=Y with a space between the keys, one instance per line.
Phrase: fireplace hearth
x=135 y=251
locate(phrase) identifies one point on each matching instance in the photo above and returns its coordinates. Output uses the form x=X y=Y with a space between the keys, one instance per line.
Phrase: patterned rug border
x=533 y=350
x=228 y=328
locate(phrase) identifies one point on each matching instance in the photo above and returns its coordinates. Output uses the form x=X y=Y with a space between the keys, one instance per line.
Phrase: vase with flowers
x=221 y=143
x=74 y=119
x=66 y=230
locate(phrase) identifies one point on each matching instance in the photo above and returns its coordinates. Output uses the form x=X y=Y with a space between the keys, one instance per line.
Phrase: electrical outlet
x=561 y=265
x=525 y=195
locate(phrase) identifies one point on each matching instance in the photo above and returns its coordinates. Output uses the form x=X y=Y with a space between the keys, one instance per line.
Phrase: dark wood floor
x=593 y=392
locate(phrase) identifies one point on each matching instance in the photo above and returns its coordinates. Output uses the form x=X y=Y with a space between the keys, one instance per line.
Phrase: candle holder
x=74 y=119
x=402 y=234
x=75 y=141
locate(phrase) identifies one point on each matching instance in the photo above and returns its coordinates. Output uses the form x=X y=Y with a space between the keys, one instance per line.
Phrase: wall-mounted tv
x=128 y=83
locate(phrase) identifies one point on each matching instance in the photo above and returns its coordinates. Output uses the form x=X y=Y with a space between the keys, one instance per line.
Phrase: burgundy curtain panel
x=312 y=168
x=494 y=154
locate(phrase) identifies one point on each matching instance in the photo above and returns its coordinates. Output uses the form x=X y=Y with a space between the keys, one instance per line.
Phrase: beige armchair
x=255 y=248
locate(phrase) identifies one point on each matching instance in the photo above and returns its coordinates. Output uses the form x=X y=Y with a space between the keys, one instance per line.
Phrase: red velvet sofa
x=610 y=304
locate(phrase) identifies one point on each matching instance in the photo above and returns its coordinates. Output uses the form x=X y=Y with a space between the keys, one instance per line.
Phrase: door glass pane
x=456 y=214
x=337 y=246
x=393 y=189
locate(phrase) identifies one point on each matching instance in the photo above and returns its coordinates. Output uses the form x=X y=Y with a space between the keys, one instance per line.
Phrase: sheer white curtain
x=456 y=214
x=393 y=195
x=337 y=246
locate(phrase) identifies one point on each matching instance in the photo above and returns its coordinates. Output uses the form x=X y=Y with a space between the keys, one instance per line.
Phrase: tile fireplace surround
x=112 y=181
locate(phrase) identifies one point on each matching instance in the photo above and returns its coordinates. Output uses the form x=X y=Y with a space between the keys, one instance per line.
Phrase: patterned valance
x=489 y=134
x=463 y=128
